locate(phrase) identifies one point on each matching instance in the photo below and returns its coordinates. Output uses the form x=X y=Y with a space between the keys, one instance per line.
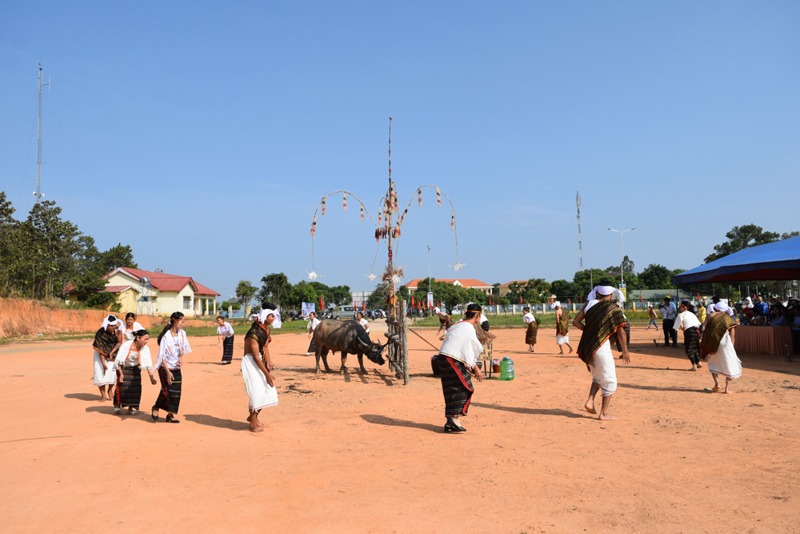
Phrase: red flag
x=355 y=306
x=363 y=305
x=412 y=301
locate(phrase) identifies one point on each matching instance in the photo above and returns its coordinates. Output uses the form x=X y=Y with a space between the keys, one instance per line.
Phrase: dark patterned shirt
x=260 y=334
x=105 y=341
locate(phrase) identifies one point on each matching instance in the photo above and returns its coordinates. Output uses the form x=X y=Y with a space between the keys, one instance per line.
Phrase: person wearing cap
x=690 y=324
x=652 y=313
x=599 y=321
x=669 y=312
x=562 y=328
x=105 y=345
x=717 y=346
x=532 y=328
x=457 y=359
x=444 y=320
x=259 y=382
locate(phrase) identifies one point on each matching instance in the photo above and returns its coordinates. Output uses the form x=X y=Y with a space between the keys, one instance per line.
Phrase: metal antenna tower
x=580 y=241
x=38 y=193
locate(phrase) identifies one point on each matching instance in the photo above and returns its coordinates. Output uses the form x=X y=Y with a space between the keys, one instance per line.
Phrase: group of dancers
x=121 y=354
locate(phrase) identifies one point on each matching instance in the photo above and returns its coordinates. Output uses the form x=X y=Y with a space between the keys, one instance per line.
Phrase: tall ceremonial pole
x=580 y=241
x=391 y=297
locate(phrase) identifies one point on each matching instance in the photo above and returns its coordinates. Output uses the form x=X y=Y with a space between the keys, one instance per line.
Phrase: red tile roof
x=164 y=281
x=465 y=282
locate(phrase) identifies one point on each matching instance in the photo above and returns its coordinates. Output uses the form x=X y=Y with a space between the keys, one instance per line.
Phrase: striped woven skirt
x=227 y=349
x=129 y=391
x=531 y=333
x=169 y=397
x=456 y=385
x=691 y=344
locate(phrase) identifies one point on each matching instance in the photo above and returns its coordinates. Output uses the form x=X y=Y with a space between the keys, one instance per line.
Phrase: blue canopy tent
x=779 y=260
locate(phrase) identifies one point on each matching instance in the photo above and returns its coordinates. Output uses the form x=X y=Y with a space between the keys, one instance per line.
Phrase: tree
x=537 y=290
x=742 y=237
x=656 y=276
x=50 y=247
x=274 y=288
x=341 y=295
x=117 y=256
x=245 y=291
x=10 y=250
x=301 y=292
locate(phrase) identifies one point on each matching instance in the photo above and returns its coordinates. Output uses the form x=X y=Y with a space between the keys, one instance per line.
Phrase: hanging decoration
x=419 y=197
x=314 y=226
x=438 y=197
x=344 y=201
x=361 y=213
x=324 y=206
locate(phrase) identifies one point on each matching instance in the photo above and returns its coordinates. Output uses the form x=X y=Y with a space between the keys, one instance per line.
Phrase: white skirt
x=562 y=340
x=725 y=361
x=259 y=392
x=104 y=372
x=604 y=372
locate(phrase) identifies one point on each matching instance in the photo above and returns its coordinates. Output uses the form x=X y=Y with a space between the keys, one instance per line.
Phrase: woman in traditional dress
x=444 y=321
x=105 y=347
x=457 y=359
x=258 y=380
x=132 y=356
x=717 y=346
x=533 y=328
x=312 y=325
x=172 y=347
x=225 y=335
x=128 y=327
x=562 y=328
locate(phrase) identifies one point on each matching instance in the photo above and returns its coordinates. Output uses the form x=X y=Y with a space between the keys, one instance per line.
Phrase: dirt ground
x=352 y=453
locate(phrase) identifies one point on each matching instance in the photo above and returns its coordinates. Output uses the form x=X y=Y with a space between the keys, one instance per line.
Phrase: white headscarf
x=436 y=311
x=748 y=303
x=266 y=312
x=556 y=304
x=110 y=320
x=720 y=307
x=605 y=291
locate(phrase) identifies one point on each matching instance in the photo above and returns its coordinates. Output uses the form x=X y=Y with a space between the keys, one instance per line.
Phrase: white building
x=155 y=293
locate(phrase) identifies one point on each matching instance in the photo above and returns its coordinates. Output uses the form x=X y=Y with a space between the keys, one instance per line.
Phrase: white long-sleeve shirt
x=172 y=348
x=127 y=355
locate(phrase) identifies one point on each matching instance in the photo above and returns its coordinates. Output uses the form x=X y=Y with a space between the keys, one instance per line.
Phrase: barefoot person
x=172 y=347
x=717 y=346
x=225 y=336
x=532 y=328
x=258 y=380
x=132 y=357
x=562 y=328
x=690 y=324
x=105 y=345
x=458 y=358
x=600 y=320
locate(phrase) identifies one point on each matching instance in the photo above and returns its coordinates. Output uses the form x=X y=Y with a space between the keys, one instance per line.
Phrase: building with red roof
x=157 y=293
x=469 y=283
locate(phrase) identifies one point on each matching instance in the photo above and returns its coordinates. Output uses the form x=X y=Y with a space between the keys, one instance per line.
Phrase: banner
x=307 y=307
x=430 y=299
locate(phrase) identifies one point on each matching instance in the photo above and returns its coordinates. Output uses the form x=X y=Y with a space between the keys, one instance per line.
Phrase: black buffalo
x=345 y=337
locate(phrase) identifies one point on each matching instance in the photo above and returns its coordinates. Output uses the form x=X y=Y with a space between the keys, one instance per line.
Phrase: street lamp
x=621 y=252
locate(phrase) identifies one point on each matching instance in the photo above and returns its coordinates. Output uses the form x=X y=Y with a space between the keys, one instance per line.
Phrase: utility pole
x=38 y=193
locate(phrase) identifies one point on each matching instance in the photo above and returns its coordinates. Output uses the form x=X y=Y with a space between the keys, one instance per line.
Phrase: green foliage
x=742 y=237
x=275 y=288
x=656 y=276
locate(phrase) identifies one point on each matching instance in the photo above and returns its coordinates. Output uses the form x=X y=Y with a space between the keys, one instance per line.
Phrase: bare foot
x=608 y=417
x=256 y=428
x=692 y=369
x=699 y=366
x=589 y=407
x=570 y=351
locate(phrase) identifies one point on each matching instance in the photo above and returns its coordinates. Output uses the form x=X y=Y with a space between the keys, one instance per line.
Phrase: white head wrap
x=556 y=304
x=748 y=302
x=254 y=317
x=720 y=307
x=604 y=291
x=436 y=311
x=263 y=314
x=110 y=320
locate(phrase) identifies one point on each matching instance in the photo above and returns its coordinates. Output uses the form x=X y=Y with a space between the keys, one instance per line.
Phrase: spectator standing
x=669 y=313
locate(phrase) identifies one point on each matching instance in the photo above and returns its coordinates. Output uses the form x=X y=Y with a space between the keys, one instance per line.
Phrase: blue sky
x=204 y=134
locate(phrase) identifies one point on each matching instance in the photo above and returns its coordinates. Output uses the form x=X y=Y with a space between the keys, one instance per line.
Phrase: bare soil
x=353 y=453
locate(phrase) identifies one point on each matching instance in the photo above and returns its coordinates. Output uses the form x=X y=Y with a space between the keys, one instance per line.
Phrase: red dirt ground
x=351 y=453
